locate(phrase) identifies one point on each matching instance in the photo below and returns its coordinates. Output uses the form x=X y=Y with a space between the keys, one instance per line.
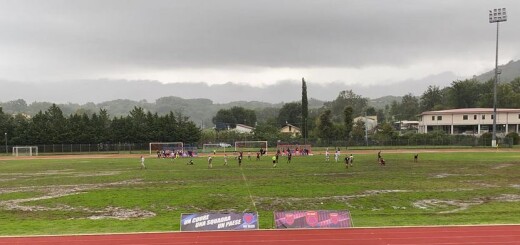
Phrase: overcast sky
x=252 y=42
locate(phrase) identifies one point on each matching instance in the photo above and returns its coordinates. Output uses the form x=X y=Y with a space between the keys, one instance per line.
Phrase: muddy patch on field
x=95 y=174
x=453 y=206
x=121 y=214
x=445 y=175
x=51 y=192
x=504 y=165
x=315 y=202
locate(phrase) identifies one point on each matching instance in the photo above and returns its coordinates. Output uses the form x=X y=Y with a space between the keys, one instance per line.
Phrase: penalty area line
x=248 y=189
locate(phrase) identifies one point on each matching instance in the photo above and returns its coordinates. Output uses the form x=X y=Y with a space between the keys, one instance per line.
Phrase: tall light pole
x=496 y=16
x=6 y=149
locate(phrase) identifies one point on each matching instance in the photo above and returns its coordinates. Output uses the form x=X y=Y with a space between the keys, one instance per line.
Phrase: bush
x=513 y=136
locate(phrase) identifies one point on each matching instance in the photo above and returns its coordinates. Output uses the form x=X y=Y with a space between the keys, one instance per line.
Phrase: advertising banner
x=312 y=219
x=219 y=221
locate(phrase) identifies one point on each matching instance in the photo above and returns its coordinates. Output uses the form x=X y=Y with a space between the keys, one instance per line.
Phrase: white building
x=290 y=129
x=471 y=121
x=370 y=121
x=242 y=128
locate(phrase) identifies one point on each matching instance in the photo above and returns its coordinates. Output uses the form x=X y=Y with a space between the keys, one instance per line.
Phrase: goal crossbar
x=30 y=150
x=160 y=145
x=251 y=145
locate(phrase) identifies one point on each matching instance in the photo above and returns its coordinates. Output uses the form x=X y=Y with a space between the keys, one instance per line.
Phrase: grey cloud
x=99 y=37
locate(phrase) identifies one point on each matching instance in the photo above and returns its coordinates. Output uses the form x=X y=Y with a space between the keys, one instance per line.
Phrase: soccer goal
x=25 y=151
x=166 y=146
x=220 y=147
x=295 y=149
x=250 y=146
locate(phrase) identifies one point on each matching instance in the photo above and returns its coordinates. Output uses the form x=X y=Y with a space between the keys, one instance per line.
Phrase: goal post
x=25 y=151
x=250 y=146
x=220 y=147
x=296 y=149
x=166 y=146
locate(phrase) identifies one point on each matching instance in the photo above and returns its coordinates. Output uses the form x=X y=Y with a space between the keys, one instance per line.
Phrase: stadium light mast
x=6 y=149
x=496 y=16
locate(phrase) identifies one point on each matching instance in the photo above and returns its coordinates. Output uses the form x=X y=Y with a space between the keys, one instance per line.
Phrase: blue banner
x=219 y=221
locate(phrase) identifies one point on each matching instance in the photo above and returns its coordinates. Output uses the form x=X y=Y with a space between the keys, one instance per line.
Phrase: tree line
x=335 y=119
x=332 y=121
x=53 y=127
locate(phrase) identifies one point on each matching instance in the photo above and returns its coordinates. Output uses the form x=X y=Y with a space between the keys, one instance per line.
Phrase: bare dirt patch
x=57 y=191
x=445 y=175
x=504 y=165
x=312 y=202
x=122 y=214
x=454 y=206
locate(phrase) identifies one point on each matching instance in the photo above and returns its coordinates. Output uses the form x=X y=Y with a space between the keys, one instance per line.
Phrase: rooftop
x=471 y=110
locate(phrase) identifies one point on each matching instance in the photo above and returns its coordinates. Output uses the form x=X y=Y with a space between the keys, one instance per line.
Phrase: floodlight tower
x=496 y=16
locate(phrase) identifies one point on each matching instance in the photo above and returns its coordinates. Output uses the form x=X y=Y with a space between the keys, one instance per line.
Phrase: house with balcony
x=470 y=121
x=290 y=129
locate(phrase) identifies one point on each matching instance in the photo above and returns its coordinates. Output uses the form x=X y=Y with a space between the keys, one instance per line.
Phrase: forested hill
x=510 y=71
x=199 y=110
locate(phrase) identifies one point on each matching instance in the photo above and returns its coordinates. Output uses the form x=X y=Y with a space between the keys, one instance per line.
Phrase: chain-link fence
x=118 y=148
x=125 y=148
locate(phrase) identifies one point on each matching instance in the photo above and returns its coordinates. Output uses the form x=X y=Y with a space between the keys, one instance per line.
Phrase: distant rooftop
x=471 y=110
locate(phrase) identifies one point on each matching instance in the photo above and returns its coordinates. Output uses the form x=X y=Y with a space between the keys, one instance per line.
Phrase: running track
x=474 y=235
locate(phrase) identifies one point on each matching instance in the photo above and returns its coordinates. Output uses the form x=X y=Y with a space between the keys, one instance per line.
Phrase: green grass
x=58 y=196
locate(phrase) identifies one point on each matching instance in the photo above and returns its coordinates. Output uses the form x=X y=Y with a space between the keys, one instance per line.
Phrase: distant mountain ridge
x=509 y=72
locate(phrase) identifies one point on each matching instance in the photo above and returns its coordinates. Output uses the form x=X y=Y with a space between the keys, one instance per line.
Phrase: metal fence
x=89 y=148
x=120 y=148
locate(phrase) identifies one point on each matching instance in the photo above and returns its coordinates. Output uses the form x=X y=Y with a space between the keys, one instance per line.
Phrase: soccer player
x=347 y=160
x=382 y=162
x=240 y=160
x=142 y=163
x=336 y=156
x=351 y=160
x=210 y=160
x=379 y=157
x=249 y=156
x=274 y=161
x=416 y=158
x=190 y=162
x=258 y=156
x=289 y=156
x=225 y=159
x=327 y=155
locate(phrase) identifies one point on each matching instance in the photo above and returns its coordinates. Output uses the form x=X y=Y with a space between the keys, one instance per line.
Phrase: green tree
x=431 y=99
x=325 y=126
x=358 y=131
x=290 y=113
x=140 y=128
x=465 y=94
x=344 y=99
x=407 y=109
x=348 y=121
x=305 y=109
x=371 y=111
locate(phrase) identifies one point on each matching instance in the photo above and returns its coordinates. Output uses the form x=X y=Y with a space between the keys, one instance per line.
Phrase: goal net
x=167 y=147
x=25 y=151
x=251 y=146
x=220 y=147
x=295 y=149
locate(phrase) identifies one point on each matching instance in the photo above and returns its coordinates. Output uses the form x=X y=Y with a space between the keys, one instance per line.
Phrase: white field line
x=248 y=189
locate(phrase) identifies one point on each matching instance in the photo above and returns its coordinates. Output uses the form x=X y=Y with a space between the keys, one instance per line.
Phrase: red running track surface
x=474 y=235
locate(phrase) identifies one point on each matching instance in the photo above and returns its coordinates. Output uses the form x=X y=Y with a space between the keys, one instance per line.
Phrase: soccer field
x=107 y=195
